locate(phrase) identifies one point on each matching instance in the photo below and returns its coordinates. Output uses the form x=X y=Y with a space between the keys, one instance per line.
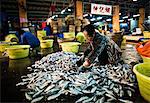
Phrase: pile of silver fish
x=122 y=73
x=57 y=74
x=57 y=61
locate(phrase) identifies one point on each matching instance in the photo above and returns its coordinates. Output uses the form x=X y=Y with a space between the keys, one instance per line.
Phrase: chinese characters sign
x=101 y=9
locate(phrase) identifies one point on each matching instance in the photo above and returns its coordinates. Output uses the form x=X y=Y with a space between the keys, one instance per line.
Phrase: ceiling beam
x=38 y=3
x=35 y=8
x=9 y=7
x=12 y=11
x=37 y=15
x=60 y=1
x=8 y=1
x=37 y=12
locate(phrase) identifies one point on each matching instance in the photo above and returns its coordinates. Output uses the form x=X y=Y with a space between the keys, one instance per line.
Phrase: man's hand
x=86 y=63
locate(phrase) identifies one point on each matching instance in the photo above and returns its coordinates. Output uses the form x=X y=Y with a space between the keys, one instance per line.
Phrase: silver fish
x=37 y=99
x=53 y=91
x=74 y=91
x=49 y=87
x=28 y=96
x=38 y=93
x=93 y=89
x=53 y=96
x=112 y=97
x=88 y=100
x=81 y=99
x=100 y=100
x=22 y=83
x=125 y=101
x=129 y=93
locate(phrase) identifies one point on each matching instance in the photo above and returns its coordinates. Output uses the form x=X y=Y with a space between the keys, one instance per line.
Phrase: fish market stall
x=47 y=78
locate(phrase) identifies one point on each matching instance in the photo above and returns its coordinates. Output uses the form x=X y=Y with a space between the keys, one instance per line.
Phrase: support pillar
x=141 y=18
x=78 y=15
x=116 y=24
x=22 y=13
x=79 y=10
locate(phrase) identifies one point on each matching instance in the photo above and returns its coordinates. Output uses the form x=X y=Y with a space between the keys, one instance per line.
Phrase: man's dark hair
x=90 y=30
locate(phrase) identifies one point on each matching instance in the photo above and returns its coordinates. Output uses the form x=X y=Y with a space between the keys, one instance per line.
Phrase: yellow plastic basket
x=69 y=35
x=10 y=37
x=146 y=59
x=46 y=43
x=3 y=47
x=18 y=51
x=142 y=72
x=70 y=46
x=146 y=34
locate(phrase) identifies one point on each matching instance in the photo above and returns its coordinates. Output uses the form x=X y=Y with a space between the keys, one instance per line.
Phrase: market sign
x=101 y=9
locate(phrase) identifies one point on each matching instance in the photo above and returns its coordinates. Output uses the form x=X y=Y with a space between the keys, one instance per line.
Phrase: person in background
x=2 y=35
x=4 y=27
x=101 y=50
x=111 y=30
x=105 y=28
x=63 y=28
x=48 y=30
x=17 y=34
x=28 y=38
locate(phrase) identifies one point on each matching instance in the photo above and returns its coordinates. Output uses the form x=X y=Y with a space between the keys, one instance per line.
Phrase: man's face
x=88 y=39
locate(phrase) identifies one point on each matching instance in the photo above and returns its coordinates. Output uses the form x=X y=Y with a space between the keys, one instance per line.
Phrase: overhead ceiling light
x=129 y=19
x=119 y=13
x=69 y=9
x=108 y=20
x=134 y=0
x=136 y=15
x=53 y=16
x=85 y=15
x=121 y=20
x=62 y=12
x=97 y=23
x=99 y=18
x=93 y=19
x=90 y=15
x=125 y=17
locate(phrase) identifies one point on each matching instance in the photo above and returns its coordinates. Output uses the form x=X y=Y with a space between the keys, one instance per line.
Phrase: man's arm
x=114 y=52
x=100 y=47
x=87 y=51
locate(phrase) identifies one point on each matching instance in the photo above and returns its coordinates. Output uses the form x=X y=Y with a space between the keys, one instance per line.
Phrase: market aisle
x=130 y=54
